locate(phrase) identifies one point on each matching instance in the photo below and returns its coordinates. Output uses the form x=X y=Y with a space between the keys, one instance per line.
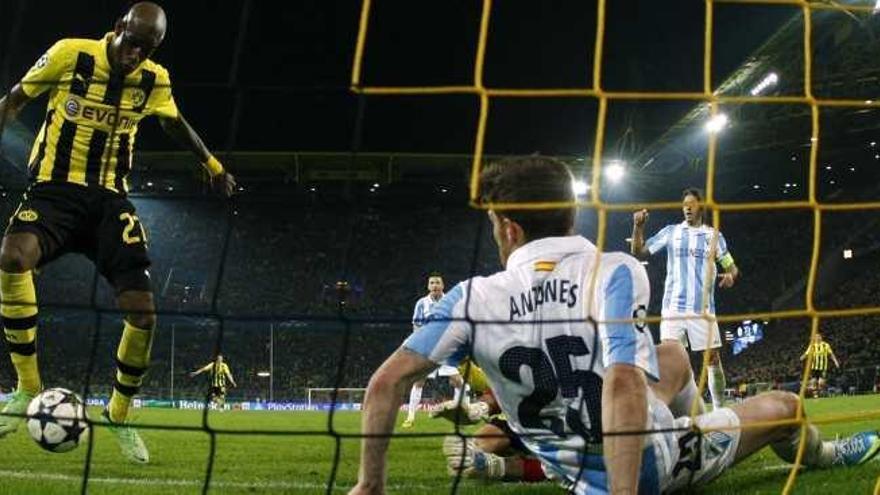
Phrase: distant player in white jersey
x=423 y=310
x=561 y=338
x=691 y=253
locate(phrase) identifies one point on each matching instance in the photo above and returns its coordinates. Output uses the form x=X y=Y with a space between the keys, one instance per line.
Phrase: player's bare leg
x=785 y=439
x=19 y=254
x=133 y=358
x=676 y=386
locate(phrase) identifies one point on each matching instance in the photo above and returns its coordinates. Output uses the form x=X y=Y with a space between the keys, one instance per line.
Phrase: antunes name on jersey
x=560 y=291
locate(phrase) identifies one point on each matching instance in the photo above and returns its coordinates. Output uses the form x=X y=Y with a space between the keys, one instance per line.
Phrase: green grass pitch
x=302 y=464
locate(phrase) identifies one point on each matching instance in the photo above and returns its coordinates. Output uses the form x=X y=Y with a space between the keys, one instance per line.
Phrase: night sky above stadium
x=295 y=62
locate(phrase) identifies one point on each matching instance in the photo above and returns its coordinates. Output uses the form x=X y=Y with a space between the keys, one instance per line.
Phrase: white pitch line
x=268 y=485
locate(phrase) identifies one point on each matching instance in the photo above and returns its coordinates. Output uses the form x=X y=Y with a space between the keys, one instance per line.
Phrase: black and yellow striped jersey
x=93 y=113
x=820 y=352
x=219 y=374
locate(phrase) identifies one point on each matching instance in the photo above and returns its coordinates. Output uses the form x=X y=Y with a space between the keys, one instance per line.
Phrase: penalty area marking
x=269 y=485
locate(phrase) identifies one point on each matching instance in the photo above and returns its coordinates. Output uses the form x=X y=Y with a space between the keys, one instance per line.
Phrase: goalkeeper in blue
x=561 y=337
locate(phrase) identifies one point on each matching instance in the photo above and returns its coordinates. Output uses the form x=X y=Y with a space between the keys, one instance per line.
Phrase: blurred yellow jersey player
x=220 y=375
x=819 y=351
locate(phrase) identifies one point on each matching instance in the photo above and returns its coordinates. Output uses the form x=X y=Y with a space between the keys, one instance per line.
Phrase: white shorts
x=674 y=460
x=691 y=332
x=717 y=450
x=443 y=370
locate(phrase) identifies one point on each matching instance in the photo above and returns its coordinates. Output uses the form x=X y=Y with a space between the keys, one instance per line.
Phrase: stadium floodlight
x=263 y=374
x=847 y=254
x=717 y=123
x=376 y=185
x=769 y=80
x=580 y=187
x=615 y=171
x=876 y=7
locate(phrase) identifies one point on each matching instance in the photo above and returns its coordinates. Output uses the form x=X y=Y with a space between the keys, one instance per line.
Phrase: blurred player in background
x=220 y=374
x=423 y=309
x=691 y=254
x=570 y=368
x=819 y=351
x=99 y=90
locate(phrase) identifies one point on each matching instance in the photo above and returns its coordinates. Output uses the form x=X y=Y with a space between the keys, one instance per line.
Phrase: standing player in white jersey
x=562 y=342
x=691 y=253
x=424 y=307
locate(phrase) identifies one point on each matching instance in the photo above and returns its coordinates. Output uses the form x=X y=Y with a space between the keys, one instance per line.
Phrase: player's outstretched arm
x=381 y=402
x=201 y=370
x=231 y=380
x=637 y=248
x=180 y=130
x=834 y=358
x=624 y=409
x=11 y=104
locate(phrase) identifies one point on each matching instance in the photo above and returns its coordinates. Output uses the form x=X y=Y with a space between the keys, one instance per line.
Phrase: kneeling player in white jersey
x=423 y=310
x=691 y=254
x=560 y=337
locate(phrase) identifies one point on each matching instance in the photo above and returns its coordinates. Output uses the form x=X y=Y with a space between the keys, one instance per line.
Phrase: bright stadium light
x=580 y=187
x=769 y=80
x=847 y=254
x=615 y=171
x=263 y=374
x=717 y=123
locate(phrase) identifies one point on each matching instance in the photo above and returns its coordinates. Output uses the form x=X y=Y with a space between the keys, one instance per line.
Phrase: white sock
x=415 y=396
x=681 y=403
x=816 y=453
x=717 y=384
x=457 y=394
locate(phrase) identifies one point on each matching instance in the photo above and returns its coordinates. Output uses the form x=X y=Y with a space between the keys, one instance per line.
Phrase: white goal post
x=343 y=395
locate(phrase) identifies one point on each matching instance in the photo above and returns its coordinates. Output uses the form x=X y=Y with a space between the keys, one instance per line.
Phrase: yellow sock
x=19 y=312
x=132 y=359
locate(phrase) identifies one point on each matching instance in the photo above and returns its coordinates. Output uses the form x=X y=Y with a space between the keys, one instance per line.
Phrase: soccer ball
x=57 y=420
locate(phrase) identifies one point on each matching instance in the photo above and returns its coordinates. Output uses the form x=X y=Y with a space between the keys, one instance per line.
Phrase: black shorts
x=822 y=374
x=101 y=224
x=218 y=392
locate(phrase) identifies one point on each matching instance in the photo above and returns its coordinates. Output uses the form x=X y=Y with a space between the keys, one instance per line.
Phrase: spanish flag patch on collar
x=545 y=266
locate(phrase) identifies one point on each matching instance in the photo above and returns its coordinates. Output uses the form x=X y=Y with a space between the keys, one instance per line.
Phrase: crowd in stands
x=266 y=272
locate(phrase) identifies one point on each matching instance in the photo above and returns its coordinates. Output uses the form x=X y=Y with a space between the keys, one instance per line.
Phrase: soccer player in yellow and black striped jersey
x=99 y=90
x=220 y=374
x=820 y=350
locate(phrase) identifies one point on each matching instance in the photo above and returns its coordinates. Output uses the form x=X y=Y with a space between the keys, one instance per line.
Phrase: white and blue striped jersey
x=544 y=340
x=689 y=265
x=422 y=311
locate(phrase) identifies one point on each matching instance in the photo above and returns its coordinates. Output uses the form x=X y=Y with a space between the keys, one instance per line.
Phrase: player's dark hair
x=531 y=179
x=435 y=274
x=692 y=191
x=697 y=193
